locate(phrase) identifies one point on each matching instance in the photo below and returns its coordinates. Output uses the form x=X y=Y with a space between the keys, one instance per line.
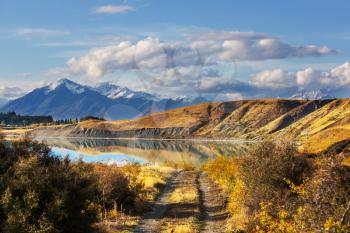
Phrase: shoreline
x=154 y=139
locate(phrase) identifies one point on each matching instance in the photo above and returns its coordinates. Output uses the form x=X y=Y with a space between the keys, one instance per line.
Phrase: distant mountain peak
x=75 y=88
x=113 y=91
x=64 y=99
x=311 y=94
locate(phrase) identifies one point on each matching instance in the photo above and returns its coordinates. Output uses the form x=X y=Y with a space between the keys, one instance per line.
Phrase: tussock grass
x=187 y=195
x=324 y=139
x=155 y=176
x=186 y=226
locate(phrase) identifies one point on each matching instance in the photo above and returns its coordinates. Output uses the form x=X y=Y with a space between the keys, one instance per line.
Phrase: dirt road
x=190 y=202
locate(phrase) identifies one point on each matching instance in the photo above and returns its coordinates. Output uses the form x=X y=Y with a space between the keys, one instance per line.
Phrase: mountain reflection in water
x=181 y=152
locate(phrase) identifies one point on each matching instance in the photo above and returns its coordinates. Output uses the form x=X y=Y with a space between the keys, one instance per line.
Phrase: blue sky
x=38 y=38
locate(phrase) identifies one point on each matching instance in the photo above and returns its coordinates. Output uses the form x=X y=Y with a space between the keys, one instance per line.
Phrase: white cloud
x=144 y=55
x=40 y=32
x=307 y=79
x=9 y=93
x=277 y=78
x=250 y=46
x=208 y=49
x=229 y=96
x=212 y=85
x=113 y=9
x=342 y=74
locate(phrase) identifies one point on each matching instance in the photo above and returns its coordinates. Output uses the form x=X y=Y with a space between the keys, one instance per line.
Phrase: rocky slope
x=315 y=123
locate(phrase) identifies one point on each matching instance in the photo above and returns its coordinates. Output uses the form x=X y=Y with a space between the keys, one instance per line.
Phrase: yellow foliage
x=187 y=226
x=297 y=189
x=188 y=195
x=284 y=223
x=332 y=226
x=224 y=170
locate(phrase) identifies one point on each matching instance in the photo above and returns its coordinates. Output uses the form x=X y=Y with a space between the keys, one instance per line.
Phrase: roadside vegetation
x=43 y=193
x=273 y=188
x=276 y=189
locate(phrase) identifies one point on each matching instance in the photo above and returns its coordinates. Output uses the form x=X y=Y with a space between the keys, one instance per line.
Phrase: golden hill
x=317 y=124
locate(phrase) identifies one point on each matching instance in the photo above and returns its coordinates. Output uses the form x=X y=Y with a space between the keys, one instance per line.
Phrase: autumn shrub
x=117 y=190
x=264 y=174
x=275 y=189
x=266 y=170
x=42 y=193
x=223 y=170
x=327 y=195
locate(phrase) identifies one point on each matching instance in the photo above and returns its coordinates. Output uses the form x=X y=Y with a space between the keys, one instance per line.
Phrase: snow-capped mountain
x=64 y=99
x=113 y=91
x=61 y=99
x=73 y=87
x=312 y=95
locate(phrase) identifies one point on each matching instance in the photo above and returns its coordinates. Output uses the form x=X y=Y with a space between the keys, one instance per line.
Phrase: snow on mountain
x=61 y=99
x=311 y=94
x=70 y=85
x=66 y=99
x=113 y=91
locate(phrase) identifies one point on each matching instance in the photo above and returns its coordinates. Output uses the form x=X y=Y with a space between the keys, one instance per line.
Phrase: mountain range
x=312 y=95
x=64 y=99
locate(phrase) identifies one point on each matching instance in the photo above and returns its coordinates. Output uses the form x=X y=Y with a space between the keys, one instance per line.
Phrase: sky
x=217 y=49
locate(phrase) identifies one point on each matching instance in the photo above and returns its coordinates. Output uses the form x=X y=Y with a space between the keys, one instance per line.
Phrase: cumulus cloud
x=342 y=74
x=113 y=9
x=205 y=50
x=307 y=79
x=274 y=79
x=229 y=96
x=310 y=78
x=251 y=46
x=273 y=83
x=145 y=54
x=169 y=78
x=190 y=65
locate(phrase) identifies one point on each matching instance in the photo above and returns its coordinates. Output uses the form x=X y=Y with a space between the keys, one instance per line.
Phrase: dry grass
x=180 y=117
x=252 y=115
x=122 y=224
x=154 y=179
x=14 y=132
x=324 y=139
x=184 y=226
x=185 y=195
x=346 y=162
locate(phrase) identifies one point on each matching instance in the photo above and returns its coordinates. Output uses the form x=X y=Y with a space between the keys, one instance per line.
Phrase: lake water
x=121 y=151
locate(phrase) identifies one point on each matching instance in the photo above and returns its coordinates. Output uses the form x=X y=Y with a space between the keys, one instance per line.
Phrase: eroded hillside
x=315 y=123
